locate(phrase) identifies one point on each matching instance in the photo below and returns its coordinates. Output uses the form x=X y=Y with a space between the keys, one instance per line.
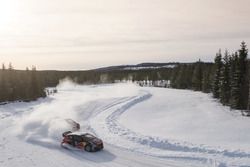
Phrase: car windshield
x=89 y=136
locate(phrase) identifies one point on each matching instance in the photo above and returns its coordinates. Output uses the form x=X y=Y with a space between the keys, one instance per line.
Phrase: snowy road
x=140 y=127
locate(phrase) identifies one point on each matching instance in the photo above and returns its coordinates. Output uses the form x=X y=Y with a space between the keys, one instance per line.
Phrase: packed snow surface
x=139 y=126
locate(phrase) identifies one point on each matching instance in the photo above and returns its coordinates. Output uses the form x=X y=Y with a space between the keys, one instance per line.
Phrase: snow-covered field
x=139 y=127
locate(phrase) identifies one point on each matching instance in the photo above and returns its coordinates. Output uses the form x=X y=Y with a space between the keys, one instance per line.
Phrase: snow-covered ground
x=139 y=126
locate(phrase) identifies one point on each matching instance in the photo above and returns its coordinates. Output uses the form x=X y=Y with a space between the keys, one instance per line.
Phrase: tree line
x=195 y=76
x=18 y=85
x=29 y=84
x=231 y=78
x=227 y=78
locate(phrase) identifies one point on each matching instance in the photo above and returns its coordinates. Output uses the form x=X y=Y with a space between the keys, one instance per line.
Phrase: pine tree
x=235 y=81
x=243 y=52
x=180 y=80
x=3 y=67
x=205 y=82
x=248 y=103
x=175 y=73
x=37 y=89
x=3 y=84
x=207 y=78
x=225 y=80
x=197 y=76
x=10 y=67
x=34 y=84
x=11 y=83
x=239 y=86
x=216 y=80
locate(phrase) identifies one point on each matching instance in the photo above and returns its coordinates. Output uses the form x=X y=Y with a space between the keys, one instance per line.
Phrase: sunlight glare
x=8 y=11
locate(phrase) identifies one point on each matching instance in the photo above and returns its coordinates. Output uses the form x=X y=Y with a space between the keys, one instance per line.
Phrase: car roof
x=80 y=133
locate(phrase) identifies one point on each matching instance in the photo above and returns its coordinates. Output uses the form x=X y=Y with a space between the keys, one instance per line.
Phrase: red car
x=84 y=141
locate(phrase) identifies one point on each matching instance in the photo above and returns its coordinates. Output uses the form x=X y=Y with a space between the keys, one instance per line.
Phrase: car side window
x=78 y=138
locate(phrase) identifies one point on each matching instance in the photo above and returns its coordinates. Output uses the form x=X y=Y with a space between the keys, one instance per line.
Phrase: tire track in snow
x=105 y=125
x=109 y=124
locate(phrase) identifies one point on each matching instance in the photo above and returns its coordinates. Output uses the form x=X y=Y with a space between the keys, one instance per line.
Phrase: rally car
x=84 y=141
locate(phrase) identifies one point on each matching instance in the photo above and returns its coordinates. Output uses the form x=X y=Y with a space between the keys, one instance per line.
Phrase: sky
x=81 y=34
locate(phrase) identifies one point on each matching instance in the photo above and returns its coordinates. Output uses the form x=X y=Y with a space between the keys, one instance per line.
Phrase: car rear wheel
x=88 y=148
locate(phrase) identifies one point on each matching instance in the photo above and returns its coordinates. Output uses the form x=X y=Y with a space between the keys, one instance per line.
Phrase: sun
x=8 y=9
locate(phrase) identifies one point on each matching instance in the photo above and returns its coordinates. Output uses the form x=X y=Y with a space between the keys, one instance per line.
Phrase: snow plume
x=46 y=121
x=66 y=83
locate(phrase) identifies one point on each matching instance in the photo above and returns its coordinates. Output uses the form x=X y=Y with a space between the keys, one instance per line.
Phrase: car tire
x=88 y=148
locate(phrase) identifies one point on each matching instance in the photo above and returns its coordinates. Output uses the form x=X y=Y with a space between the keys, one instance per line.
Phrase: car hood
x=97 y=141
